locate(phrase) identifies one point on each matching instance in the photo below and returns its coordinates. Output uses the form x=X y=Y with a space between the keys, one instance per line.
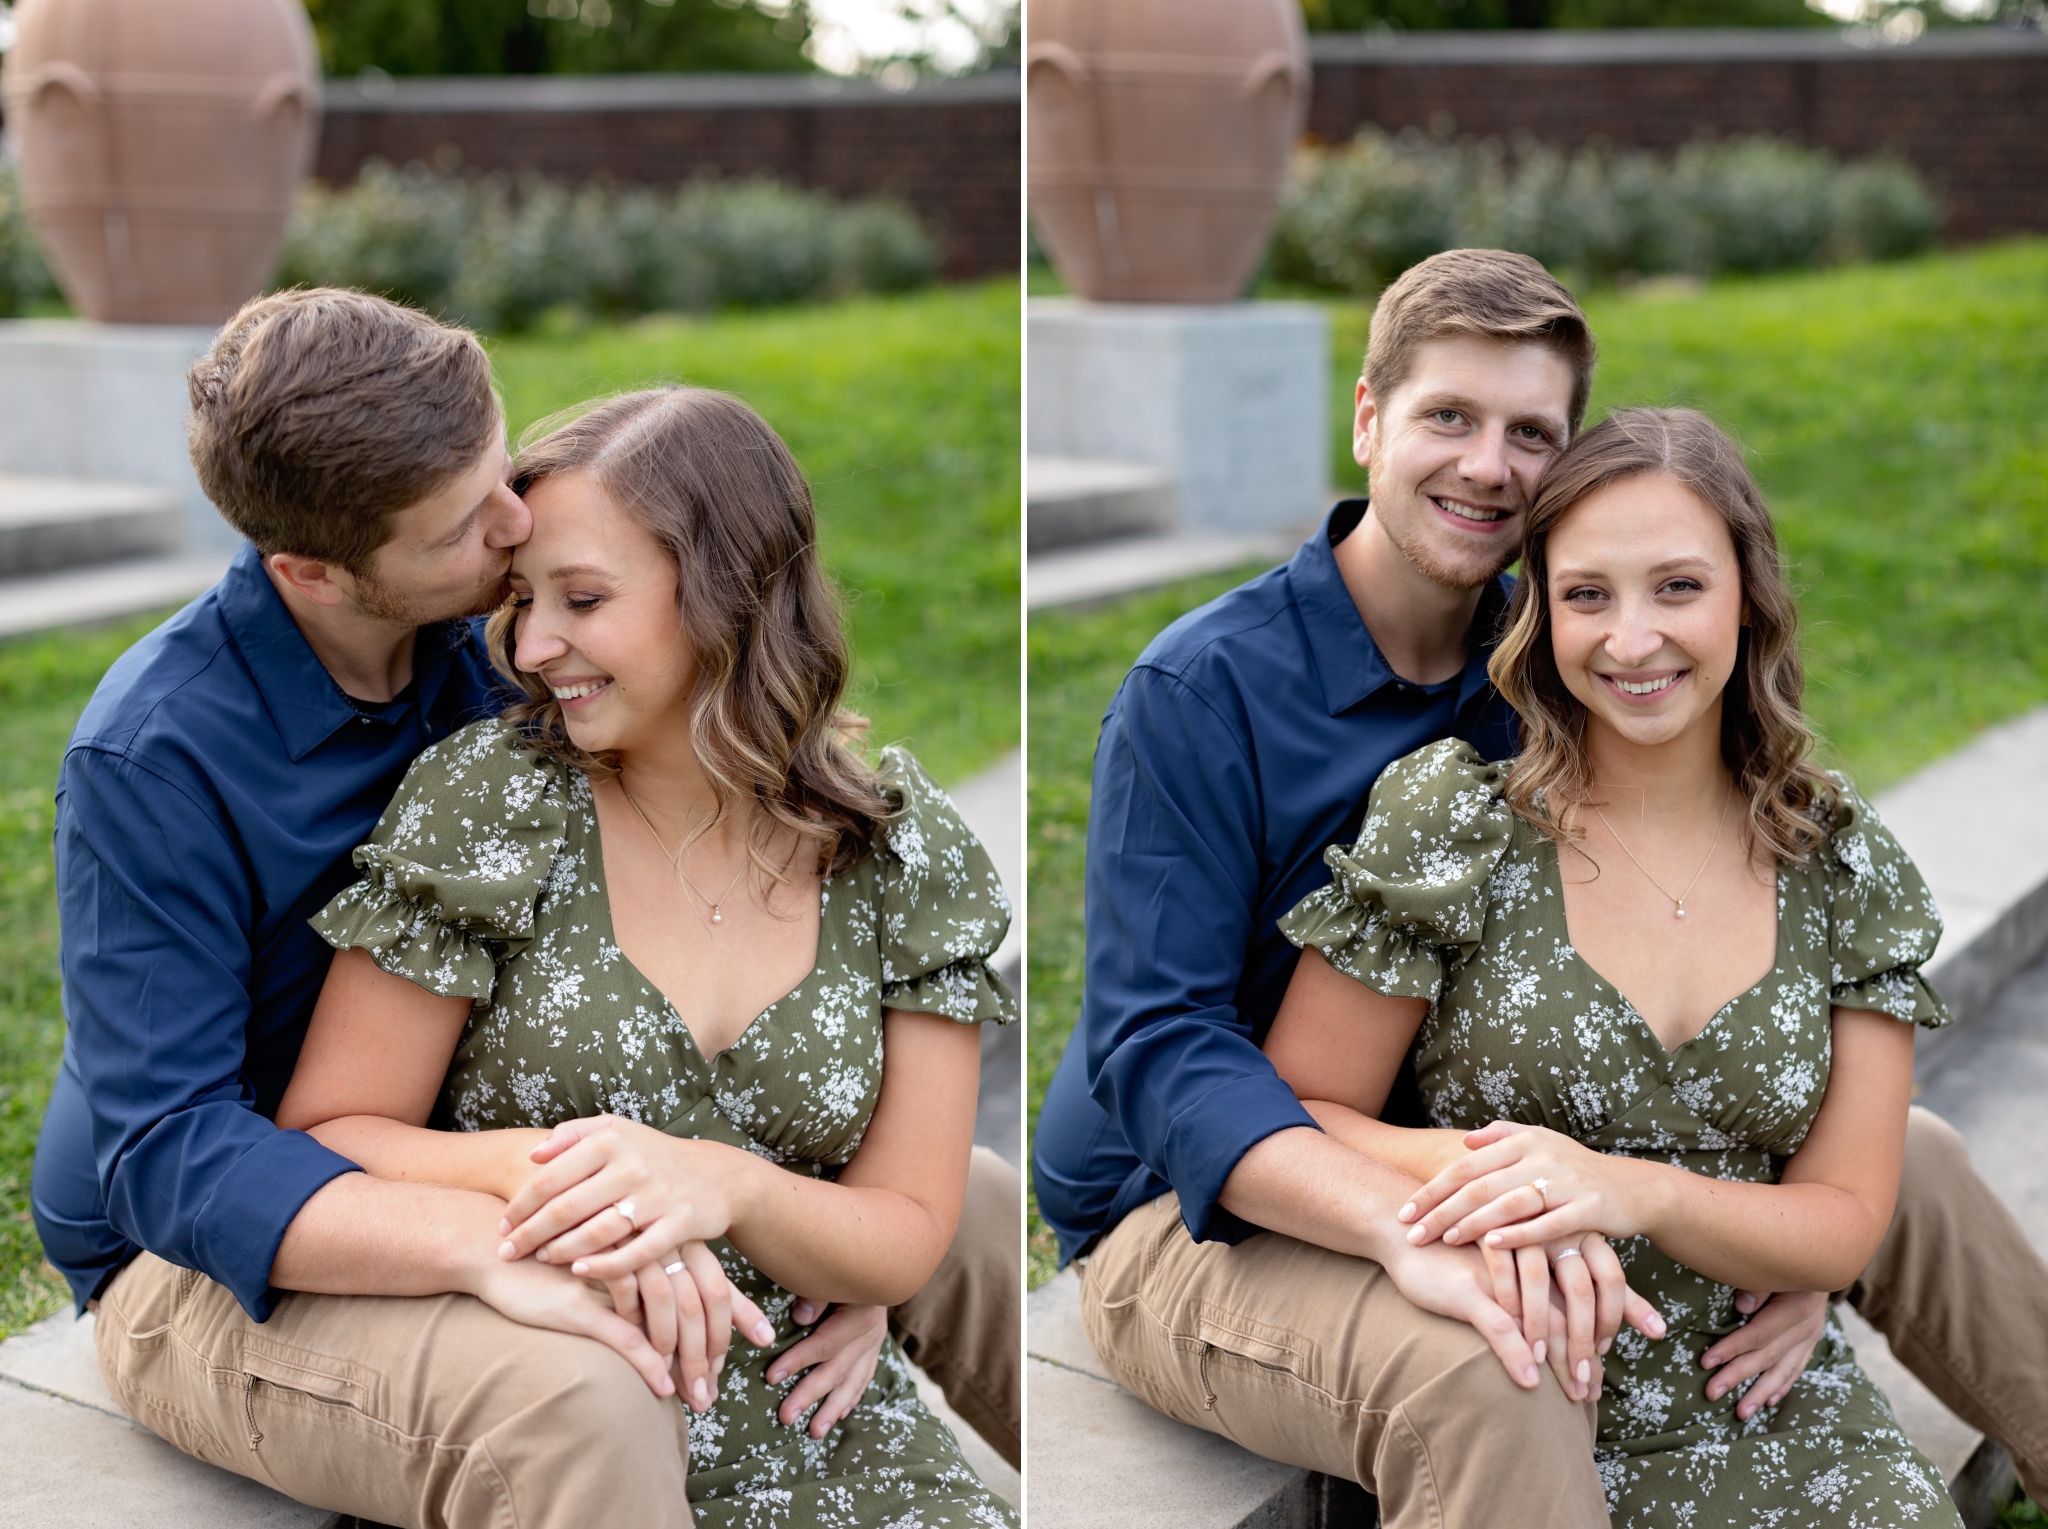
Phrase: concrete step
x=52 y=523
x=1106 y=570
x=1073 y=501
x=42 y=602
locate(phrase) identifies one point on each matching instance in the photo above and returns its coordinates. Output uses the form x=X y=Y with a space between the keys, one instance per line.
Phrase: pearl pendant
x=1679 y=911
x=719 y=918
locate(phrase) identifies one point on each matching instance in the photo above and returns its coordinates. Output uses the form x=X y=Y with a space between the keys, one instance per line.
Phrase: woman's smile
x=577 y=693
x=1644 y=689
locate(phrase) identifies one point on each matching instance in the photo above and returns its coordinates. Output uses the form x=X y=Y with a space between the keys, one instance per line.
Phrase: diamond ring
x=625 y=1208
x=1541 y=1186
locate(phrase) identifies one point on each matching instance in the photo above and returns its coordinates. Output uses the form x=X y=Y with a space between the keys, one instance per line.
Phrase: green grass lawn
x=904 y=413
x=1897 y=417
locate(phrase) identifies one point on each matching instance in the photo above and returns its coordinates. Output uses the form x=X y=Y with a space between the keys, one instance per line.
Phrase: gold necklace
x=675 y=861
x=1678 y=902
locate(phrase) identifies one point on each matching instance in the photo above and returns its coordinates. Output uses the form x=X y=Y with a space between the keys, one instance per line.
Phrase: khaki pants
x=1314 y=1358
x=438 y=1411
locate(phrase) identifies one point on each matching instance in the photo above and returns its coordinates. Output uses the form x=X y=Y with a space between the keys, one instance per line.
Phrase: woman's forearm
x=1420 y=1152
x=835 y=1242
x=490 y=1162
x=1797 y=1236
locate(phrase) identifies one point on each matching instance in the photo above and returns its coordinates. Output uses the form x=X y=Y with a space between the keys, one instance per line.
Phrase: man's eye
x=1449 y=417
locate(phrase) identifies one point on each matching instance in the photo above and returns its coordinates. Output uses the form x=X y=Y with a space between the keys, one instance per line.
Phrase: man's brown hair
x=319 y=413
x=1494 y=294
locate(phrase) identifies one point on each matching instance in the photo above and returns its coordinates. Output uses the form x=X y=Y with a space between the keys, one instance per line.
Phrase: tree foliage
x=558 y=36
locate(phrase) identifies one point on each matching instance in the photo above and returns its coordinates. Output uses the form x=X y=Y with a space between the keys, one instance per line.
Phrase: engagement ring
x=625 y=1208
x=1541 y=1186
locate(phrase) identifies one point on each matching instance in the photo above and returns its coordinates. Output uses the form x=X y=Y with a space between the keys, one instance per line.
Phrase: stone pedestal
x=1231 y=398
x=108 y=402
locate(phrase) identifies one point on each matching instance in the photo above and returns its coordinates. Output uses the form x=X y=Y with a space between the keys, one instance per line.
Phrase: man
x=1245 y=741
x=355 y=1343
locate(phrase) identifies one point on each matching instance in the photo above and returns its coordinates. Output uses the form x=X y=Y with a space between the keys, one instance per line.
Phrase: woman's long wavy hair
x=1765 y=739
x=722 y=493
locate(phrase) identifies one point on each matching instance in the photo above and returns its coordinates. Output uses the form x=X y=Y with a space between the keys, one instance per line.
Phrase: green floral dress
x=1448 y=896
x=485 y=880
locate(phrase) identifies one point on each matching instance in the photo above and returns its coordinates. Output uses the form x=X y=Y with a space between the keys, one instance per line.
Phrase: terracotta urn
x=159 y=143
x=1159 y=136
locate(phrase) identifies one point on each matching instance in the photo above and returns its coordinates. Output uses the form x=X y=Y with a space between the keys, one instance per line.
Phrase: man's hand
x=689 y=1310
x=1774 y=1345
x=539 y=1296
x=840 y=1354
x=1455 y=1283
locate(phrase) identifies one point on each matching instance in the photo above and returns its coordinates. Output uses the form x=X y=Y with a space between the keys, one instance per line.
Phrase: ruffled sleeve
x=1882 y=920
x=1408 y=900
x=944 y=911
x=458 y=864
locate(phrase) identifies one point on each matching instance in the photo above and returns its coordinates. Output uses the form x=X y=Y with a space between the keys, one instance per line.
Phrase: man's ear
x=320 y=582
x=1362 y=419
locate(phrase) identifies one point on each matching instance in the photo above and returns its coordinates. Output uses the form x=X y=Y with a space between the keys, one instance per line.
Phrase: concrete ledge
x=1987 y=864
x=1102 y=1459
x=104 y=592
x=54 y=523
x=1071 y=501
x=1107 y=570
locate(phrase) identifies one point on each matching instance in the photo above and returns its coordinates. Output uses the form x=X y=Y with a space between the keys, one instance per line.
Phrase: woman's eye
x=1681 y=587
x=521 y=602
x=583 y=602
x=1584 y=594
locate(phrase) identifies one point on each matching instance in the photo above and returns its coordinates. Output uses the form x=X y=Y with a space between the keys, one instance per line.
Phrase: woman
x=1664 y=973
x=652 y=930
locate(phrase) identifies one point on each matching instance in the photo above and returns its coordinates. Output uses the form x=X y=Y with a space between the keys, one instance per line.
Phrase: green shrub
x=1354 y=217
x=25 y=278
x=499 y=252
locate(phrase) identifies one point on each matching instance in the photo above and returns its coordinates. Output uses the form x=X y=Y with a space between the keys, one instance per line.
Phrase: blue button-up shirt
x=207 y=806
x=1243 y=743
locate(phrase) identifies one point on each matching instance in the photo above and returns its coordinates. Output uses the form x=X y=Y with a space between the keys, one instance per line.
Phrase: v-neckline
x=611 y=933
x=1777 y=954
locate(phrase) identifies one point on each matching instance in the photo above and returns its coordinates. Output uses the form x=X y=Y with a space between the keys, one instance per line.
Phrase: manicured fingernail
x=718 y=1366
x=1605 y=1345
x=1585 y=1370
x=668 y=1387
x=1452 y=1235
x=702 y=1392
x=1529 y=1376
x=542 y=1255
x=579 y=1267
x=1416 y=1234
x=1542 y=1351
x=1493 y=1239
x=1406 y=1212
x=504 y=1228
x=507 y=1250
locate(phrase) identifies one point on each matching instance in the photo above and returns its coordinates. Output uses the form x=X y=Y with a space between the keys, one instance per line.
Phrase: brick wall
x=1969 y=108
x=950 y=149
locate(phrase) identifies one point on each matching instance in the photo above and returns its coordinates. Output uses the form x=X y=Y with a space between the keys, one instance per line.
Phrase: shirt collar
x=1348 y=662
x=301 y=696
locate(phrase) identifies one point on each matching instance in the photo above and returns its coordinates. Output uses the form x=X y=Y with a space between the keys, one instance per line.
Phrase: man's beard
x=1412 y=543
x=387 y=603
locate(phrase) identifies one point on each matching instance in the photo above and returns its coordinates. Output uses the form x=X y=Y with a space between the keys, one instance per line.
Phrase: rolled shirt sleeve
x=157 y=917
x=1173 y=888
